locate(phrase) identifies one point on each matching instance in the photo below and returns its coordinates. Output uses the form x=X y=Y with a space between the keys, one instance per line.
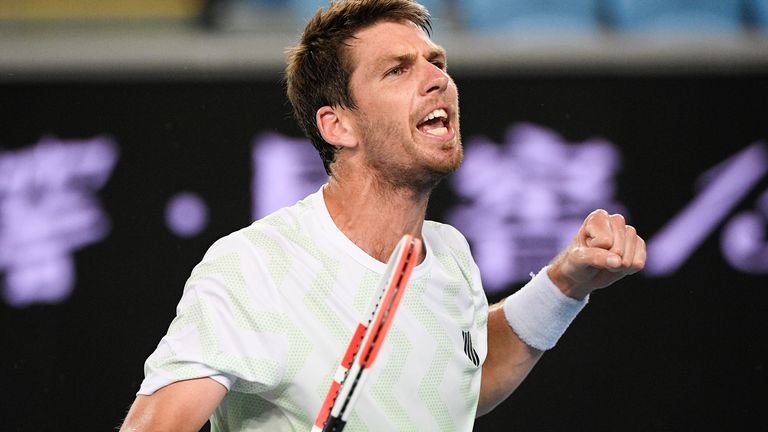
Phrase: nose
x=435 y=79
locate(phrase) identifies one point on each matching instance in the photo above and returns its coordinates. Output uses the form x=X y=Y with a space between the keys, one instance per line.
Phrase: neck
x=375 y=215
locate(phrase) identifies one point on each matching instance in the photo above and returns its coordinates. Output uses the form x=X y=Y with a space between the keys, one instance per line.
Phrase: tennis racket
x=361 y=352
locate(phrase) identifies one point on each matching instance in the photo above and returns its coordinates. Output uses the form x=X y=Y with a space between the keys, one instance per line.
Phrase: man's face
x=408 y=111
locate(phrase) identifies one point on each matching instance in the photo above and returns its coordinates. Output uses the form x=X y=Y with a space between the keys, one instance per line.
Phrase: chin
x=437 y=171
x=456 y=157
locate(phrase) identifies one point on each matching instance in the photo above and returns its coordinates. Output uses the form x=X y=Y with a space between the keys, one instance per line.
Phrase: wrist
x=566 y=285
x=539 y=313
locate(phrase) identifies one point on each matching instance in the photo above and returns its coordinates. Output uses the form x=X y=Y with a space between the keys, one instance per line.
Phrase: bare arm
x=506 y=365
x=604 y=251
x=181 y=406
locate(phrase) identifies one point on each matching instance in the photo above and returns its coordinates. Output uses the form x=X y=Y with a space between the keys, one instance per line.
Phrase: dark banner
x=111 y=192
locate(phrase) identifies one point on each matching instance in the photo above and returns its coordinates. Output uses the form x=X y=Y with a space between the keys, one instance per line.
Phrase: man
x=267 y=314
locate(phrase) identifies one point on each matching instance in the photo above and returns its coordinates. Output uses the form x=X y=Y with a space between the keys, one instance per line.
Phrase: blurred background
x=135 y=133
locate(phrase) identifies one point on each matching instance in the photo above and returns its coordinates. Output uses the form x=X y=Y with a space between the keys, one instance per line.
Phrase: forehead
x=387 y=40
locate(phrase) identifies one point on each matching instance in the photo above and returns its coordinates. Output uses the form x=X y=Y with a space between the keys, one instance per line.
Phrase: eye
x=395 y=71
x=439 y=64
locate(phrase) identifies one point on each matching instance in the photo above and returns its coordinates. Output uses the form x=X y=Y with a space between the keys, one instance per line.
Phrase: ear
x=335 y=126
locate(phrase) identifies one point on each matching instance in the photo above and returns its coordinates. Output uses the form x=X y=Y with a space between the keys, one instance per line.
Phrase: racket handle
x=334 y=424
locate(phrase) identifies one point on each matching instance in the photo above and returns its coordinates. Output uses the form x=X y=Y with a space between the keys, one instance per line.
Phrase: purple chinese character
x=525 y=200
x=285 y=170
x=47 y=211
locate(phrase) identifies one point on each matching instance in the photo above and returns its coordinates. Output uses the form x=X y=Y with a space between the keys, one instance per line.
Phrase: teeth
x=434 y=114
x=438 y=131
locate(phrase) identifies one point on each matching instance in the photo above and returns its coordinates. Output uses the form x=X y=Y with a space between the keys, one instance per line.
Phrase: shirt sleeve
x=227 y=326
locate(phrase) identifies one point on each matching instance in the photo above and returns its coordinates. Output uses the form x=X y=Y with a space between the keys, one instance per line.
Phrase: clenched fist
x=605 y=250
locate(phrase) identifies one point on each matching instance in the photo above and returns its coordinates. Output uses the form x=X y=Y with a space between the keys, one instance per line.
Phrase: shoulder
x=269 y=235
x=256 y=256
x=443 y=236
x=448 y=245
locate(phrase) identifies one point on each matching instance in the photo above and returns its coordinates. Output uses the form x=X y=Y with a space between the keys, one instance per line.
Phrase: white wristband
x=539 y=313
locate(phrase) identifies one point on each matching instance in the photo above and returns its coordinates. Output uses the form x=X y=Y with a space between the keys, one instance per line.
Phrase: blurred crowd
x=479 y=16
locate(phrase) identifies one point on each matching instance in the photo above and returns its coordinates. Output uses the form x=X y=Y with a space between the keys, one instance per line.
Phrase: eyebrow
x=410 y=58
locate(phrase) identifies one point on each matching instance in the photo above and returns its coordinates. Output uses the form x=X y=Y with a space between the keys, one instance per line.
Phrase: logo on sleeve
x=469 y=350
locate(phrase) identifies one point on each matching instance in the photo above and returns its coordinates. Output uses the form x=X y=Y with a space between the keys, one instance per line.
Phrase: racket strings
x=366 y=342
x=377 y=331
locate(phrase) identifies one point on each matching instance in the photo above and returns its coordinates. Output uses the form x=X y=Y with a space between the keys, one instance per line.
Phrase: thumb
x=603 y=259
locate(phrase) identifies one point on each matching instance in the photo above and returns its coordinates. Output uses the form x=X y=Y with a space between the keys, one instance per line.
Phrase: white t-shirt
x=270 y=310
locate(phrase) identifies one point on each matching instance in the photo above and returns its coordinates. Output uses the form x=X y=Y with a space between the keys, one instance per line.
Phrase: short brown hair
x=319 y=67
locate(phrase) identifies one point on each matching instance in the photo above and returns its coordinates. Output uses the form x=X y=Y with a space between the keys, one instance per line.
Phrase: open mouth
x=435 y=123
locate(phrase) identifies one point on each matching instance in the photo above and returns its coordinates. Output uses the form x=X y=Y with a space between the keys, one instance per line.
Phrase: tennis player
x=267 y=314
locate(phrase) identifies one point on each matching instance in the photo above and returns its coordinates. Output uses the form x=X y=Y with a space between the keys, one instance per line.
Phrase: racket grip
x=334 y=424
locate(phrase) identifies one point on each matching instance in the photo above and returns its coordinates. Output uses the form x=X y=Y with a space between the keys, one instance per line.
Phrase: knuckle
x=581 y=254
x=639 y=261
